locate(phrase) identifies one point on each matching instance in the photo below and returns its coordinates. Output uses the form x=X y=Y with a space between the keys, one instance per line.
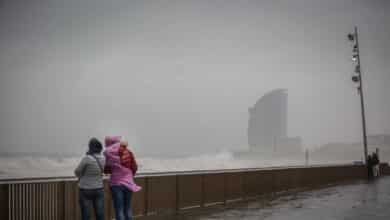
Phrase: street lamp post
x=357 y=78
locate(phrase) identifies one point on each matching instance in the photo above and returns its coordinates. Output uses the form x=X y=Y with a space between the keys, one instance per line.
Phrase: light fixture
x=355 y=78
x=351 y=37
x=354 y=57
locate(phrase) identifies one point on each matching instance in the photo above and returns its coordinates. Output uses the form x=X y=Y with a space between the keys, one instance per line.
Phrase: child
x=127 y=157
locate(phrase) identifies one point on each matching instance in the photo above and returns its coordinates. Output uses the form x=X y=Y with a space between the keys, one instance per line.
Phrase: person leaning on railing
x=90 y=174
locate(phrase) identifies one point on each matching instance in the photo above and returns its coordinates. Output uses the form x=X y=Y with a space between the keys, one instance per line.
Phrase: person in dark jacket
x=90 y=174
x=369 y=167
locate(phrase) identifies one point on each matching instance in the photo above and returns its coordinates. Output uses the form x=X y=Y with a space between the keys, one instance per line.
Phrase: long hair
x=94 y=146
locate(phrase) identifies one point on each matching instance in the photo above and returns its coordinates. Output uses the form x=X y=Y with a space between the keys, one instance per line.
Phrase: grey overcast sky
x=179 y=76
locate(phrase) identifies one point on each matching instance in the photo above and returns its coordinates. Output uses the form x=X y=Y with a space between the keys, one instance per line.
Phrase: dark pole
x=360 y=89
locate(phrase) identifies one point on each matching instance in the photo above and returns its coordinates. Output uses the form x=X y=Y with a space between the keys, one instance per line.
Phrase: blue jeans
x=121 y=196
x=94 y=197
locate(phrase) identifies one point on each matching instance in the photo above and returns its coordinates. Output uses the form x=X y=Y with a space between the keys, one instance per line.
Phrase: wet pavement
x=357 y=201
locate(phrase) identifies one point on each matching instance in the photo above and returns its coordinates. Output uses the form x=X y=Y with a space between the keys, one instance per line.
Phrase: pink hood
x=111 y=140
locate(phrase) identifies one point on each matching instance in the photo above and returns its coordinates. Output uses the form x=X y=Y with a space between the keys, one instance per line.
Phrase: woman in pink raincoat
x=121 y=180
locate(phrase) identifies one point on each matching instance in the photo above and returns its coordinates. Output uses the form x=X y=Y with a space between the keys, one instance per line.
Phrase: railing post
x=61 y=200
x=177 y=194
x=4 y=201
x=224 y=189
x=146 y=202
x=202 y=198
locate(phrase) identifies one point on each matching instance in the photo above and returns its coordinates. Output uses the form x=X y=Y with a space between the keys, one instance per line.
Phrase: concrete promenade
x=360 y=200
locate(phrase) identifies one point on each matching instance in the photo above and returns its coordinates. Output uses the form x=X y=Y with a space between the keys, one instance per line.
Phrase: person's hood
x=111 y=140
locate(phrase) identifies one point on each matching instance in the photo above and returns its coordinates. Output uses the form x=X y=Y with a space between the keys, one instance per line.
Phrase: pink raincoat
x=120 y=175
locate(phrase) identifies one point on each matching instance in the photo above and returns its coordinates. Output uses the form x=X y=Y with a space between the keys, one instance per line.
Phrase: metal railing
x=166 y=193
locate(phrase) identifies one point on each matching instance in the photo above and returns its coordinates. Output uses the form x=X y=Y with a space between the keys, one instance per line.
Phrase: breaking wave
x=35 y=166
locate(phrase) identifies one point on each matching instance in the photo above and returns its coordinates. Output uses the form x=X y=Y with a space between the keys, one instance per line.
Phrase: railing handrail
x=16 y=180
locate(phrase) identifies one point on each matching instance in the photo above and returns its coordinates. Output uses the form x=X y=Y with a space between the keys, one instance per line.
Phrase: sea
x=53 y=166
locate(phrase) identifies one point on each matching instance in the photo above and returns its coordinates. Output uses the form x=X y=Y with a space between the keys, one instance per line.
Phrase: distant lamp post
x=357 y=78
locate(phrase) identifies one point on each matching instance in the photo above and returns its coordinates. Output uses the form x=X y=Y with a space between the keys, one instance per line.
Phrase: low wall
x=167 y=193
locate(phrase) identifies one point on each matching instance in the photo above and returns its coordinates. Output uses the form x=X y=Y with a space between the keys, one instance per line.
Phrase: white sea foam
x=222 y=160
x=32 y=166
x=28 y=166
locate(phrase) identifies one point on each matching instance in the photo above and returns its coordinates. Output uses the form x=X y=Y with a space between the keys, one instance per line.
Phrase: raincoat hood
x=111 y=140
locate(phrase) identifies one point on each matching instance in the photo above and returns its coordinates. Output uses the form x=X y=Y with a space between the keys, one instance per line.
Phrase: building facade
x=268 y=121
